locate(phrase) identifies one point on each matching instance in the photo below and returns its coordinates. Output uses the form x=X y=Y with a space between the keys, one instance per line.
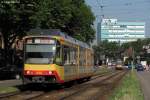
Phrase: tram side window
x=89 y=58
x=58 y=57
x=82 y=57
x=69 y=56
x=73 y=56
x=0 y=43
x=66 y=55
x=92 y=59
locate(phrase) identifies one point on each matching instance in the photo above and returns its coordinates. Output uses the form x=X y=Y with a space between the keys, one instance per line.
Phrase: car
x=119 y=64
x=113 y=64
x=119 y=67
x=139 y=67
x=125 y=66
x=129 y=66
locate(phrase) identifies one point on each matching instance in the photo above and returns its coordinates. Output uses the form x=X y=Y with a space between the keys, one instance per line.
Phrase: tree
x=16 y=19
x=84 y=24
x=54 y=13
x=109 y=49
x=137 y=46
x=71 y=16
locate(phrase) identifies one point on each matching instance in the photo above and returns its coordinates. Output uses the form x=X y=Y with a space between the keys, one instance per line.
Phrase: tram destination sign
x=40 y=41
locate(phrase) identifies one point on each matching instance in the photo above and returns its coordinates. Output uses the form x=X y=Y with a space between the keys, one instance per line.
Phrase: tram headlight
x=50 y=72
x=27 y=72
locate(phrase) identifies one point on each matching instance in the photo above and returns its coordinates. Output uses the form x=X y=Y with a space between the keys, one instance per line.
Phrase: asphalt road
x=144 y=78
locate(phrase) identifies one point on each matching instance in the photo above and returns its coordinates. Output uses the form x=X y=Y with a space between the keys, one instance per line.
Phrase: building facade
x=98 y=37
x=115 y=31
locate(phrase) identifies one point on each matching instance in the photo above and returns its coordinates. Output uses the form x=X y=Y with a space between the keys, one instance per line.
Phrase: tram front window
x=39 y=53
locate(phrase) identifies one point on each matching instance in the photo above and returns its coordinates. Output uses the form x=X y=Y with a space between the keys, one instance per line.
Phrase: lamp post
x=133 y=56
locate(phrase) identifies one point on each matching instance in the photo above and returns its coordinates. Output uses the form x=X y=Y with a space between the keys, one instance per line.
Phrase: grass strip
x=101 y=70
x=4 y=90
x=129 y=89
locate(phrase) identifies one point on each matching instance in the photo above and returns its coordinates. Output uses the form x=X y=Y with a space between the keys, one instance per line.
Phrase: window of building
x=123 y=26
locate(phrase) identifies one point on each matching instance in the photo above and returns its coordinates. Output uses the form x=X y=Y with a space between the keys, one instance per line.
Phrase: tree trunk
x=1 y=41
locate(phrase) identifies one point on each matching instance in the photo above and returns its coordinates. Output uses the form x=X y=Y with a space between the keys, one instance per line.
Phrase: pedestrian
x=147 y=68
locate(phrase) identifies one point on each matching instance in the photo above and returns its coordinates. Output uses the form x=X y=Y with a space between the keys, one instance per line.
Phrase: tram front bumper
x=40 y=79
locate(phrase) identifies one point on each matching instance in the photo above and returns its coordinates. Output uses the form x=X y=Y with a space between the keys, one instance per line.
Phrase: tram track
x=25 y=95
x=88 y=86
x=68 y=93
x=62 y=93
x=25 y=90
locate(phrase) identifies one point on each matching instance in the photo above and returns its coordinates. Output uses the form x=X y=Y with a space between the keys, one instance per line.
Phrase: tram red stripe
x=43 y=73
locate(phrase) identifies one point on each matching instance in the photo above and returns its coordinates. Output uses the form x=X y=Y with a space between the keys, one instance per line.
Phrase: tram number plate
x=38 y=73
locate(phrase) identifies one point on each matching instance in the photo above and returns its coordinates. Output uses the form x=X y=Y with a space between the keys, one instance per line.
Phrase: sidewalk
x=8 y=83
x=144 y=78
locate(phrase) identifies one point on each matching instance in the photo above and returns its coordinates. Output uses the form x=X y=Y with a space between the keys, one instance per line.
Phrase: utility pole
x=99 y=2
x=101 y=6
x=133 y=56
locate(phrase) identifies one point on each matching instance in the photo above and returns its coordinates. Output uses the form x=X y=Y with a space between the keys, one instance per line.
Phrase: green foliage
x=81 y=23
x=6 y=89
x=130 y=49
x=15 y=18
x=54 y=13
x=109 y=49
x=137 y=46
x=71 y=16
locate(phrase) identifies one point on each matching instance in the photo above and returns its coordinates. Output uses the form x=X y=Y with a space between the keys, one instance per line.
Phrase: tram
x=50 y=56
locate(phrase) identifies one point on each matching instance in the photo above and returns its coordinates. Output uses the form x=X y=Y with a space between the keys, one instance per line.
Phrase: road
x=144 y=78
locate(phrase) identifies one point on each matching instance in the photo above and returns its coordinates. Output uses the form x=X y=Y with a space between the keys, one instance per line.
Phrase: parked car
x=139 y=67
x=113 y=63
x=129 y=66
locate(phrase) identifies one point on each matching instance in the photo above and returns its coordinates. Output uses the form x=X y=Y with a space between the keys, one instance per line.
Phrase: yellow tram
x=53 y=57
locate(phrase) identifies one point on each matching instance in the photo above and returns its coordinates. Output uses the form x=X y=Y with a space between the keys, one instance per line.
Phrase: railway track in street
x=25 y=90
x=86 y=88
x=83 y=91
x=24 y=95
x=62 y=93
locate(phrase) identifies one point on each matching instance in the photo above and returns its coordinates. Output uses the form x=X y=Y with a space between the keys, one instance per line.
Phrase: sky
x=123 y=10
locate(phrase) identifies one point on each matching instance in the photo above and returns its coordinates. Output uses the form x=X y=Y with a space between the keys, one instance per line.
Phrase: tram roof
x=56 y=32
